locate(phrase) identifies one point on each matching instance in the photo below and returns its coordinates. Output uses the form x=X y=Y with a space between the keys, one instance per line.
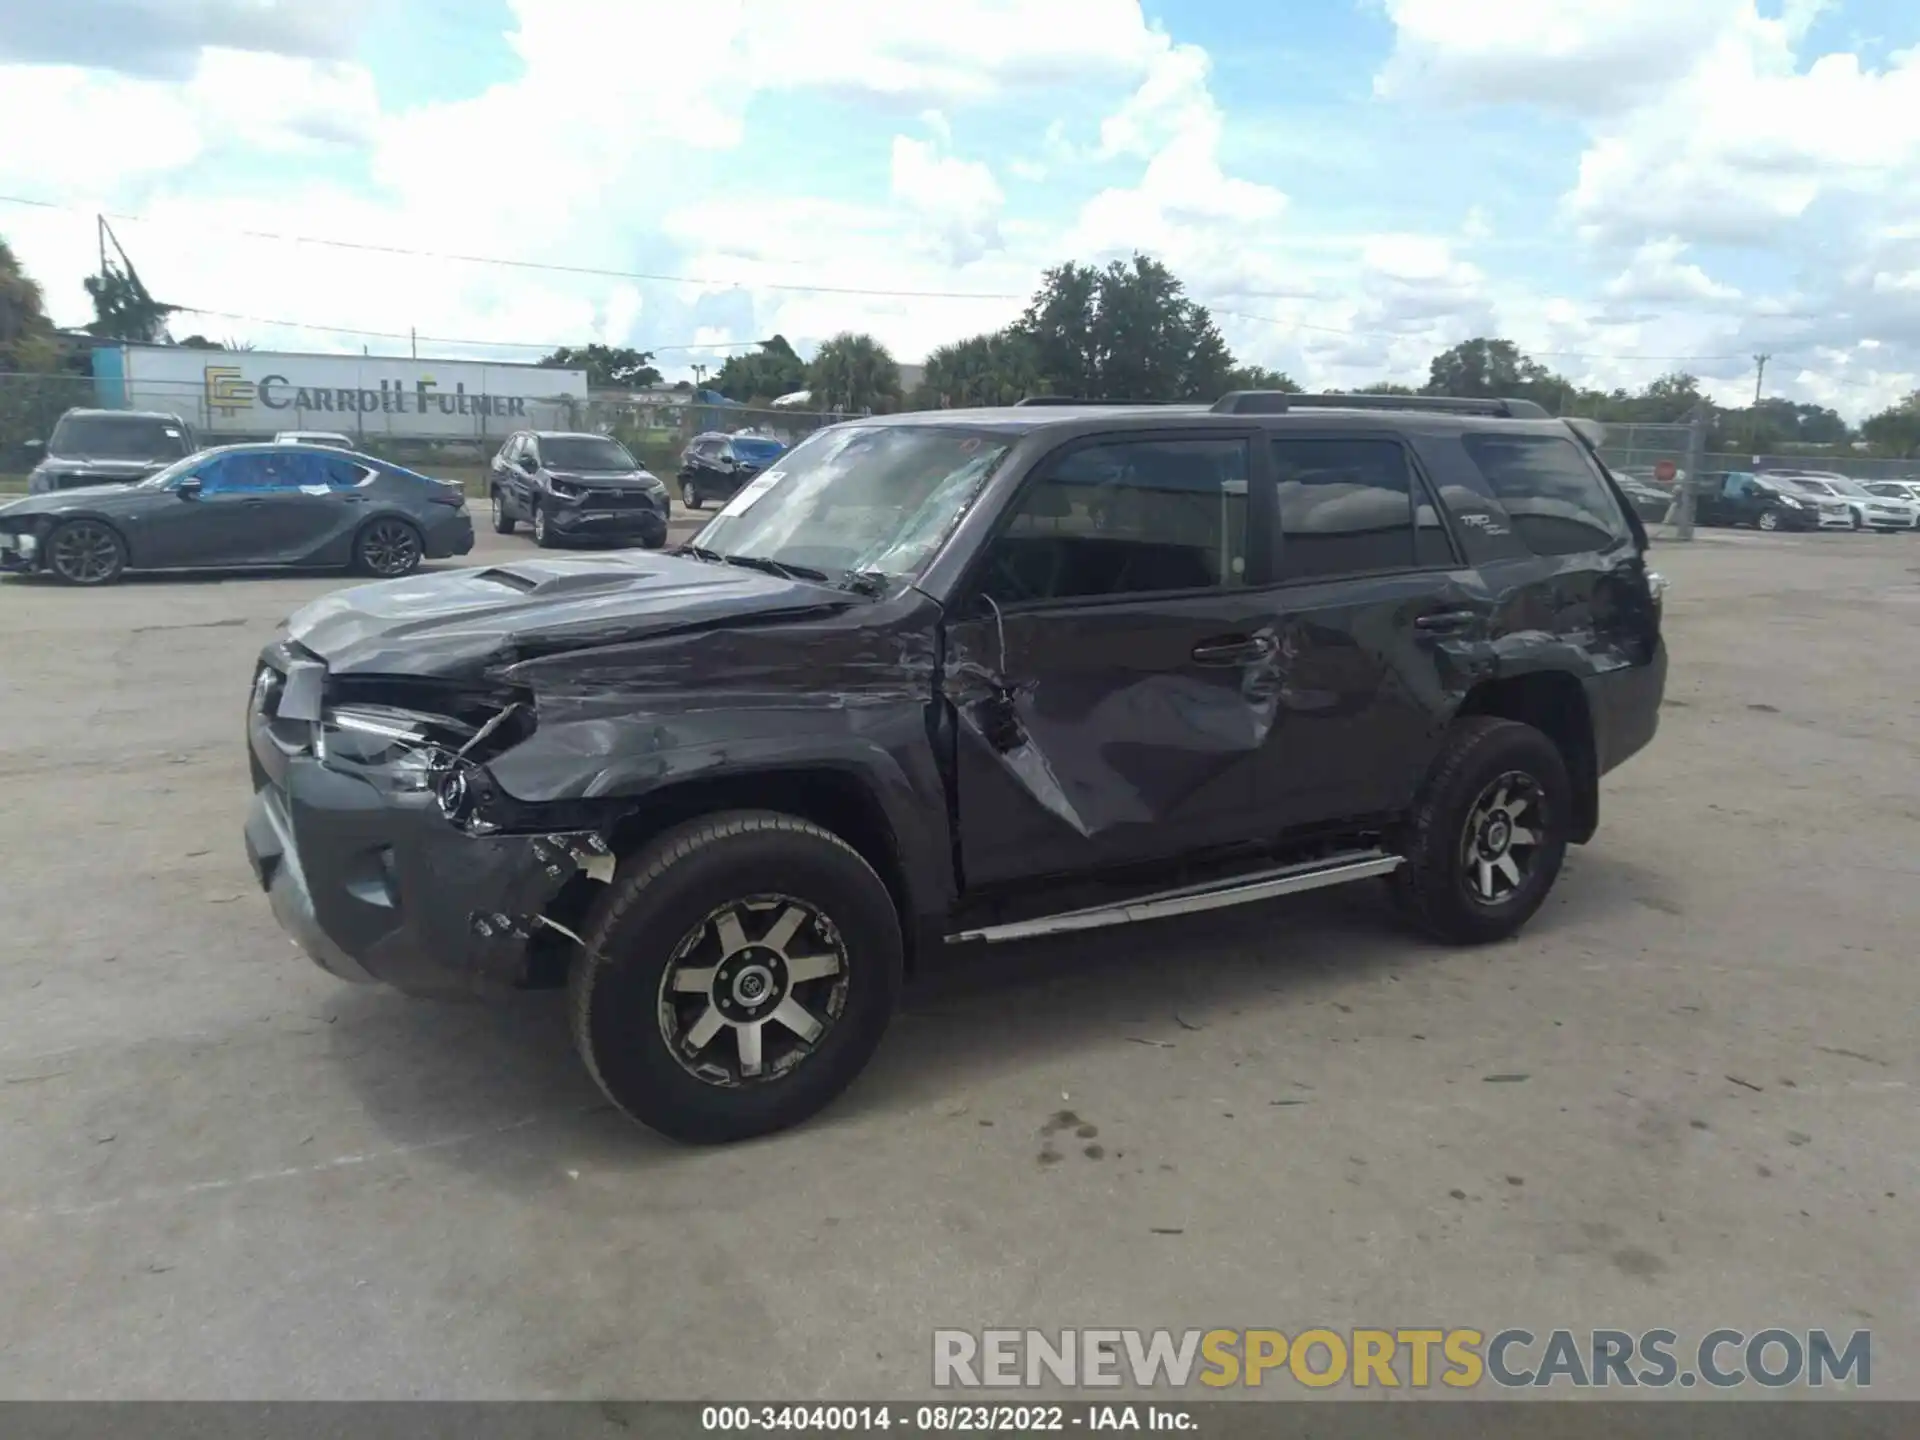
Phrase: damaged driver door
x=1112 y=667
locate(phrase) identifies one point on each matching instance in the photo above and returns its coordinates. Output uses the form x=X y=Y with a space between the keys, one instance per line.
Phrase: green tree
x=996 y=369
x=764 y=374
x=200 y=342
x=1895 y=431
x=1258 y=377
x=854 y=373
x=1497 y=369
x=608 y=367
x=122 y=307
x=1126 y=332
x=23 y=313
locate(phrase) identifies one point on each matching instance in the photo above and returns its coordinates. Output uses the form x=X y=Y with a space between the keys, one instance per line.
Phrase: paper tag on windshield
x=751 y=492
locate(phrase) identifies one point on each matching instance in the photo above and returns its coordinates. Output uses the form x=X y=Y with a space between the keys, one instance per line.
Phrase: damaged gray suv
x=957 y=678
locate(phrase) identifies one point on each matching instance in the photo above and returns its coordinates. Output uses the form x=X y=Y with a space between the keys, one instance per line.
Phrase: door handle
x=1445 y=622
x=1233 y=650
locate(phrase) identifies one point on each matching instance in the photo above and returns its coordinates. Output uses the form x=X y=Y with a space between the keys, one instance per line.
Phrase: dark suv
x=961 y=676
x=576 y=487
x=109 y=447
x=714 y=467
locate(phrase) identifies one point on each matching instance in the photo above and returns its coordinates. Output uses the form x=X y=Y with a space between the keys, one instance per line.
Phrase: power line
x=598 y=272
x=554 y=267
x=442 y=339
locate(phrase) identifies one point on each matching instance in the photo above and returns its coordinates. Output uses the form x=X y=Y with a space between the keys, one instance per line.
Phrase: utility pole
x=413 y=341
x=1689 y=482
x=1759 y=378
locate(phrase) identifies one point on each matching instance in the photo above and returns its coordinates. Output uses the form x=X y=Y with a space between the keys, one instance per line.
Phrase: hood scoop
x=555 y=582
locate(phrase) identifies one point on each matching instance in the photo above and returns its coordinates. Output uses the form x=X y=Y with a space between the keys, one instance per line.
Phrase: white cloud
x=1658 y=273
x=959 y=200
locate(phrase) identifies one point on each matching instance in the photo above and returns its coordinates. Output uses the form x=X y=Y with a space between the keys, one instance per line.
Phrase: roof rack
x=1279 y=402
x=1076 y=400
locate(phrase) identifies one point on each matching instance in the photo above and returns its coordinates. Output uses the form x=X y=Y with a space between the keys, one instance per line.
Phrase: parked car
x=1908 y=490
x=241 y=506
x=109 y=447
x=1648 y=500
x=1865 y=511
x=332 y=439
x=911 y=697
x=714 y=467
x=576 y=487
x=1740 y=497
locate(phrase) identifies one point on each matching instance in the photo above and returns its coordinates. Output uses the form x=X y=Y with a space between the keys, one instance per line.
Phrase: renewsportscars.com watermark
x=1411 y=1359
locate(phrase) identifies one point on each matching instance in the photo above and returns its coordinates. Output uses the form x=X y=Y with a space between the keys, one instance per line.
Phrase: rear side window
x=1352 y=507
x=1558 y=502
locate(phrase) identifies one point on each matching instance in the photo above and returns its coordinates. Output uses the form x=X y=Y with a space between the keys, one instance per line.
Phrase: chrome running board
x=1240 y=890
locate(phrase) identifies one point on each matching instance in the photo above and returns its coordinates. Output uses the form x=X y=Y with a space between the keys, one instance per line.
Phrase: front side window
x=1126 y=517
x=1557 y=501
x=858 y=499
x=1352 y=507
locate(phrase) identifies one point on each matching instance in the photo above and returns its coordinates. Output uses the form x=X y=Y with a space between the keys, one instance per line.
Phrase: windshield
x=1807 y=483
x=754 y=450
x=584 y=452
x=1844 y=486
x=117 y=437
x=858 y=499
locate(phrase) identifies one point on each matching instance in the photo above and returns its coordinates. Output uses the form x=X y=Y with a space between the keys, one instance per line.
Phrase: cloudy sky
x=1625 y=187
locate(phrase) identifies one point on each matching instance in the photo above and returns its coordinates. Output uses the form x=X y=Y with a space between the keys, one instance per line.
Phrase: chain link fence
x=1637 y=450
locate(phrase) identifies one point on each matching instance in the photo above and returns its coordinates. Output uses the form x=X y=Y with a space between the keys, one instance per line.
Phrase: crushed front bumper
x=377 y=885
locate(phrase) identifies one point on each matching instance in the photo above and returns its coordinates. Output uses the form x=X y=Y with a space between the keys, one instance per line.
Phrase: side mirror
x=189 y=488
x=530 y=465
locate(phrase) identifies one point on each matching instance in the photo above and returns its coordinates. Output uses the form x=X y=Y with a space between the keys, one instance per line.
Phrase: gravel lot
x=229 y=1175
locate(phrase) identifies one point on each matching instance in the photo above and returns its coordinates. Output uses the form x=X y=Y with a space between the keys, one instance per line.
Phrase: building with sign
x=231 y=395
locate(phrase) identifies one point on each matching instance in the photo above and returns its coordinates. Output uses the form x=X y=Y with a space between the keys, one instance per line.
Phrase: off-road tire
x=660 y=893
x=1430 y=889
x=503 y=523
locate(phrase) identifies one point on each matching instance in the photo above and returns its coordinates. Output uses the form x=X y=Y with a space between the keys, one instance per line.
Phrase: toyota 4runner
x=962 y=676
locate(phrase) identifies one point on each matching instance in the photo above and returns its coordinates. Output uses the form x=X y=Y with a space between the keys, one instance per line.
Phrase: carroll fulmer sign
x=253 y=393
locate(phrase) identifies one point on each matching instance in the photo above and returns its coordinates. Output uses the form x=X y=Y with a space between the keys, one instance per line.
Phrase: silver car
x=1896 y=490
x=1865 y=511
x=1833 y=512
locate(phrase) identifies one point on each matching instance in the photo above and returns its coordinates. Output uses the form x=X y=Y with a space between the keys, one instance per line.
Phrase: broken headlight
x=414 y=752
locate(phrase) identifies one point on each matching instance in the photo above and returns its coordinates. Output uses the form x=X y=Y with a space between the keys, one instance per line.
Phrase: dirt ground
x=1683 y=1098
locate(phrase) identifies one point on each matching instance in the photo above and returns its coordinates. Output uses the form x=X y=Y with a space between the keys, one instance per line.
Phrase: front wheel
x=1769 y=520
x=1859 y=521
x=735 y=977
x=86 y=552
x=502 y=521
x=541 y=535
x=691 y=496
x=1488 y=833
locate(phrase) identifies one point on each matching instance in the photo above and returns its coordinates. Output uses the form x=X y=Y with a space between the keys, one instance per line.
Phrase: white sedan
x=1868 y=511
x=1896 y=490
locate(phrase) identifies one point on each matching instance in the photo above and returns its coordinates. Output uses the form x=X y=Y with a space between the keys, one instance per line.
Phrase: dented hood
x=454 y=624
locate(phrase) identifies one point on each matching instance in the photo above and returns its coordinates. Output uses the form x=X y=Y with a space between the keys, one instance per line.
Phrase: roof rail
x=1279 y=402
x=1076 y=400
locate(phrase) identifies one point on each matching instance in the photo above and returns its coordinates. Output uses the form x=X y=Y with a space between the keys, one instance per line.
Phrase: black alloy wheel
x=389 y=548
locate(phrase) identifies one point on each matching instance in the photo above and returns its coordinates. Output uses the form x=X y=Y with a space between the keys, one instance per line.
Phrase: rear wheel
x=1488 y=834
x=86 y=552
x=389 y=547
x=736 y=976
x=502 y=521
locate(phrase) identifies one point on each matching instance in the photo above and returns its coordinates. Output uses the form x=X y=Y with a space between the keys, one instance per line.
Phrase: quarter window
x=1130 y=517
x=1556 y=499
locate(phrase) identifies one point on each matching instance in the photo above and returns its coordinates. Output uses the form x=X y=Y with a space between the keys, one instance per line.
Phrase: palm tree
x=854 y=373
